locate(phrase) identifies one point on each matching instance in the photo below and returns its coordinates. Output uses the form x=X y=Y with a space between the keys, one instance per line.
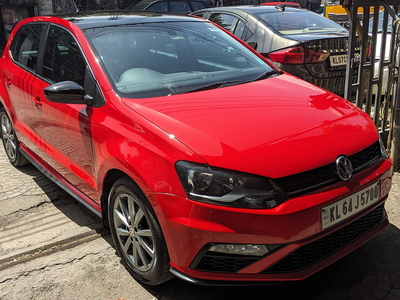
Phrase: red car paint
x=272 y=128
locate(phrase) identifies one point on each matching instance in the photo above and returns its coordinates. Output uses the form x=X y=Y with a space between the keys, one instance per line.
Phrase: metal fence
x=378 y=65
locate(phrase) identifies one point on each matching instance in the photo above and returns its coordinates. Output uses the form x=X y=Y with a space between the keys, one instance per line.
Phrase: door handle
x=8 y=82
x=38 y=102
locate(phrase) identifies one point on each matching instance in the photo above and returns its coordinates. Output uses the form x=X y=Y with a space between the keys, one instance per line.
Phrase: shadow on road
x=371 y=270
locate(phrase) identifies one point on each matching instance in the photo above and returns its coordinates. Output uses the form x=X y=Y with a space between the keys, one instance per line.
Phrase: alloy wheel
x=8 y=136
x=133 y=232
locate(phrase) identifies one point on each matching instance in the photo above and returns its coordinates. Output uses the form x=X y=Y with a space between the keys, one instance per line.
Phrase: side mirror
x=67 y=92
x=253 y=45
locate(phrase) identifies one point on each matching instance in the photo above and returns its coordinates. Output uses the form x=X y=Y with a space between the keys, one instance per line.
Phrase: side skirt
x=75 y=195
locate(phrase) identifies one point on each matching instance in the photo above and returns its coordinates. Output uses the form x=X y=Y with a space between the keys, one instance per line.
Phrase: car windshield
x=160 y=59
x=298 y=22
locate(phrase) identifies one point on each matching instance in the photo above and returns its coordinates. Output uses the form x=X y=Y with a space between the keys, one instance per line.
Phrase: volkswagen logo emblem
x=344 y=168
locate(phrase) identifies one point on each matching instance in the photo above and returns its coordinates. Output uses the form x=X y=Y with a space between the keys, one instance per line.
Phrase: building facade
x=13 y=11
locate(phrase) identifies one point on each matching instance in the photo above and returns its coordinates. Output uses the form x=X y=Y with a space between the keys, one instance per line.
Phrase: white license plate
x=349 y=206
x=338 y=60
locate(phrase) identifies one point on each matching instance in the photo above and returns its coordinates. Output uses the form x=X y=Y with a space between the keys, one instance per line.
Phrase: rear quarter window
x=226 y=21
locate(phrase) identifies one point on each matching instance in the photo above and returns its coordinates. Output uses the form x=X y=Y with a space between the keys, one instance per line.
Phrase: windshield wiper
x=220 y=84
x=214 y=85
x=268 y=74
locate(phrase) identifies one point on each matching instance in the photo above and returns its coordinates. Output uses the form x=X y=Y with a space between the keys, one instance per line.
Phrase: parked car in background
x=175 y=6
x=298 y=41
x=203 y=159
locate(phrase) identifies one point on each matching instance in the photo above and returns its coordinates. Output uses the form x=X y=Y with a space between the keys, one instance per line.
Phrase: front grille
x=223 y=263
x=366 y=157
x=312 y=180
x=319 y=249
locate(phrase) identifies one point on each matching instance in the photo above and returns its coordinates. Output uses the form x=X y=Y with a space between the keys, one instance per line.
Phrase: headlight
x=383 y=150
x=228 y=188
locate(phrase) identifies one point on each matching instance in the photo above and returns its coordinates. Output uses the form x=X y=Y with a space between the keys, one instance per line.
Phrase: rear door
x=20 y=76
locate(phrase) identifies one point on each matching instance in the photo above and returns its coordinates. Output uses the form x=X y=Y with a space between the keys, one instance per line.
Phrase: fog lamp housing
x=240 y=249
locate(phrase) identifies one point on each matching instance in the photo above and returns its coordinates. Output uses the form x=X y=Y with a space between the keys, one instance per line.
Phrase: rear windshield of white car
x=298 y=22
x=161 y=59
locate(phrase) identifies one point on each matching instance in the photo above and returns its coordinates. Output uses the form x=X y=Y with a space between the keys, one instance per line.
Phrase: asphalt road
x=53 y=248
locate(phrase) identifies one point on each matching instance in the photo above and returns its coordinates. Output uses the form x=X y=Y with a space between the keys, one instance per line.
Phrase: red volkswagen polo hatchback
x=204 y=160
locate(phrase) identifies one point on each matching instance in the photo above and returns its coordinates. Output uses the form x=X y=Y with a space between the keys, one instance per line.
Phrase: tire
x=10 y=141
x=136 y=234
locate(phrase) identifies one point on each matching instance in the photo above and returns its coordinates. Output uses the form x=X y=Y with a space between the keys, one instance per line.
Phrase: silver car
x=298 y=41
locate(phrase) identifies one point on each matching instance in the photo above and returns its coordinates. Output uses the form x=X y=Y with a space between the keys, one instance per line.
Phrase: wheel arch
x=110 y=178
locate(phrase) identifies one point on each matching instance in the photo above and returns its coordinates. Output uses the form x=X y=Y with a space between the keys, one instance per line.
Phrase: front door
x=65 y=128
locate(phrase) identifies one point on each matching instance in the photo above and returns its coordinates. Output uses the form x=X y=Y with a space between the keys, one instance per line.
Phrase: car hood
x=274 y=127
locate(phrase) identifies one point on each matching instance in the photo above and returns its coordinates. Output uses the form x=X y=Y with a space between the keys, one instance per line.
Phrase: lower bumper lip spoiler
x=189 y=279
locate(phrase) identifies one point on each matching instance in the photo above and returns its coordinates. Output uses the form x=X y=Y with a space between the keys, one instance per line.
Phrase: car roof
x=155 y=1
x=145 y=3
x=287 y=4
x=94 y=19
x=251 y=9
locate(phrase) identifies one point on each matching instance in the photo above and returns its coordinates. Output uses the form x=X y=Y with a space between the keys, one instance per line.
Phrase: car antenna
x=76 y=7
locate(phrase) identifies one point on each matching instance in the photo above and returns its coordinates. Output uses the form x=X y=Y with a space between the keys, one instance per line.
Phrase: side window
x=24 y=48
x=197 y=5
x=227 y=21
x=159 y=6
x=179 y=7
x=241 y=30
x=63 y=59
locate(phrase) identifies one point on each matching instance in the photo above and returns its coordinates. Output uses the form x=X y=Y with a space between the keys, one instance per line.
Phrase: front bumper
x=294 y=254
x=295 y=226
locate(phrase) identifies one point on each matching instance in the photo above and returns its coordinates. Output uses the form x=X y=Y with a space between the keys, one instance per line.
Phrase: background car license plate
x=349 y=206
x=338 y=60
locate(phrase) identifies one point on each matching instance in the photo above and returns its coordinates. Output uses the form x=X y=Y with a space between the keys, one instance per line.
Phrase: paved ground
x=53 y=248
